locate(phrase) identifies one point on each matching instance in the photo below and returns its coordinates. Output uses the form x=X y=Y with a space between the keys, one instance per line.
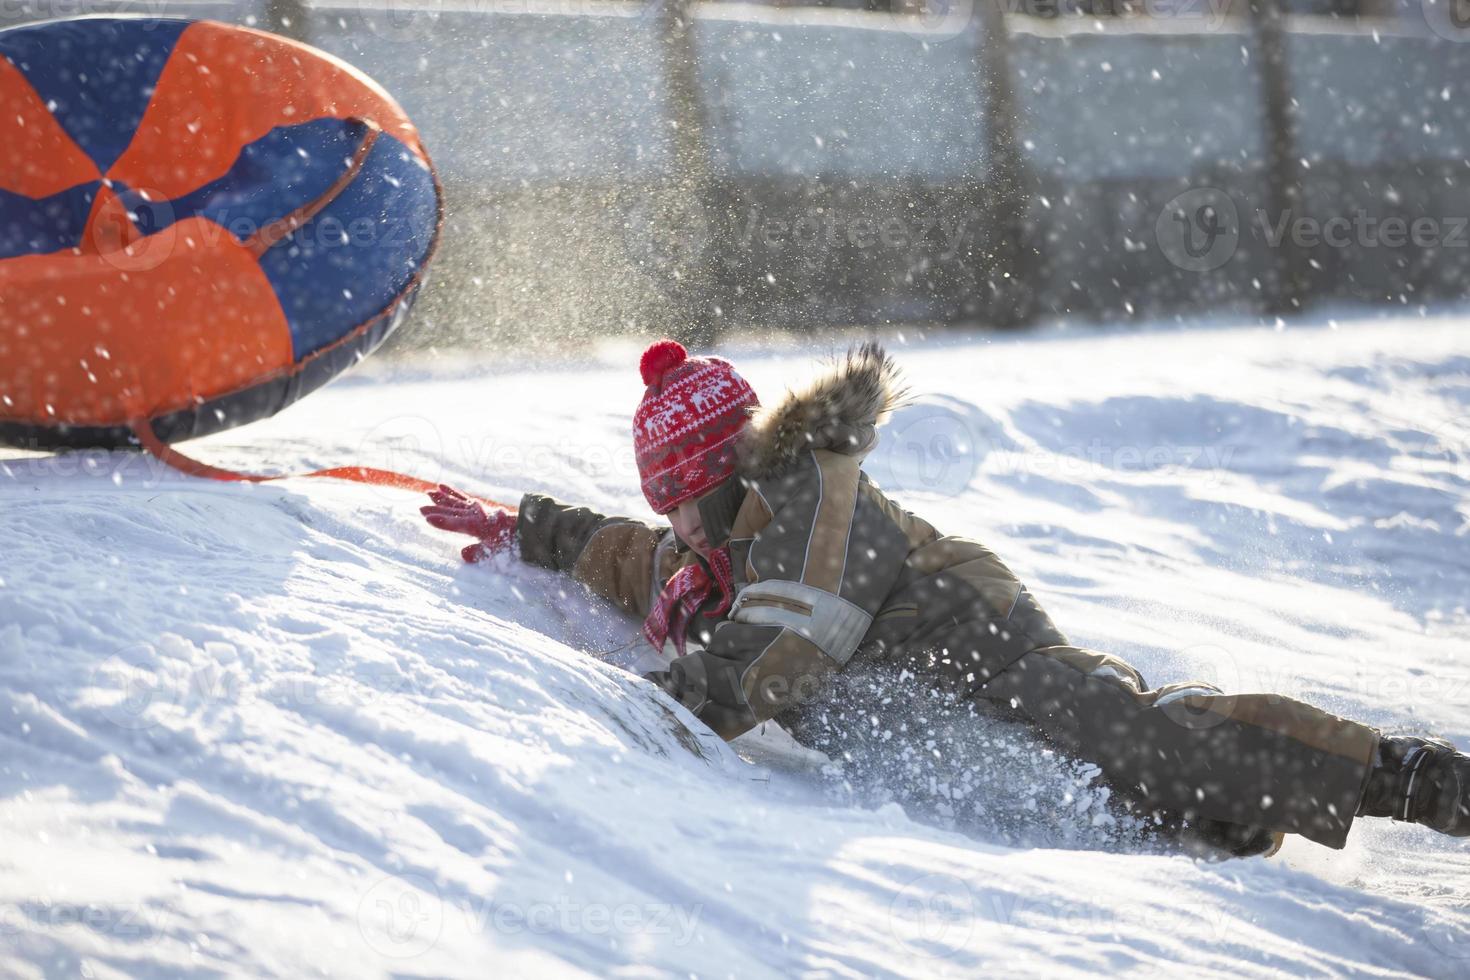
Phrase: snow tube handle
x=156 y=447
x=270 y=234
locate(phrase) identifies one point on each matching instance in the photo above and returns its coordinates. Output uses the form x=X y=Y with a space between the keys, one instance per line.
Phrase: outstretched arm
x=621 y=559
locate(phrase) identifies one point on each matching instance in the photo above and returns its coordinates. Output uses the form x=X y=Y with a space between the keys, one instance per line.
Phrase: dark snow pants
x=1251 y=759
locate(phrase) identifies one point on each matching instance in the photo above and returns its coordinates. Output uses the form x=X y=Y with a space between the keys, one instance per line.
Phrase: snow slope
x=280 y=730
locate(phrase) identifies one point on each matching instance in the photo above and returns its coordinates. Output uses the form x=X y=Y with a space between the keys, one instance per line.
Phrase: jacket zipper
x=778 y=601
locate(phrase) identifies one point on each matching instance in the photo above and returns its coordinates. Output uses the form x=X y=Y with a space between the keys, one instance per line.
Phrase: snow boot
x=1421 y=780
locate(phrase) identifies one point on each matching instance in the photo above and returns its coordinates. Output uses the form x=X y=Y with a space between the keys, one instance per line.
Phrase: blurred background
x=701 y=169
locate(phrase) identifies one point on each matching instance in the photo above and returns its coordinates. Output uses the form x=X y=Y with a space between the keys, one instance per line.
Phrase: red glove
x=453 y=511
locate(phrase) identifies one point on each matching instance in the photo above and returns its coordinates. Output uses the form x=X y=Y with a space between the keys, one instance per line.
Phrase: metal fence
x=696 y=167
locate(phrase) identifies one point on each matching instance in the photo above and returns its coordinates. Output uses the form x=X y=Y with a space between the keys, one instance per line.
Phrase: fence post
x=1010 y=270
x=687 y=201
x=1287 y=286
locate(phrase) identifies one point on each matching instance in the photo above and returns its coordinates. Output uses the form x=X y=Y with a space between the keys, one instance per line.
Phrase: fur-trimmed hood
x=839 y=410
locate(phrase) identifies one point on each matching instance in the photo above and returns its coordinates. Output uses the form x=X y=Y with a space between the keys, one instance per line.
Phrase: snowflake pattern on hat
x=685 y=427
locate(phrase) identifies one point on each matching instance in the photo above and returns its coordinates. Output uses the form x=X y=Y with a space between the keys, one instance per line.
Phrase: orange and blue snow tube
x=199 y=224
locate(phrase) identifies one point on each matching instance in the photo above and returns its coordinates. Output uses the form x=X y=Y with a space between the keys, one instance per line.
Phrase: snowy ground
x=280 y=730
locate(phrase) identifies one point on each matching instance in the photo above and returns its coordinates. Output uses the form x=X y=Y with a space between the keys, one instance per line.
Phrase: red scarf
x=689 y=587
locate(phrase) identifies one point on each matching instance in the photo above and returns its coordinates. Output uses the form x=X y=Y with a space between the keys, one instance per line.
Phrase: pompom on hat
x=685 y=428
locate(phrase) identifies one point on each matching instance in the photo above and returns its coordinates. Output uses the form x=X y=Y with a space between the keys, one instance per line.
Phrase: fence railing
x=691 y=167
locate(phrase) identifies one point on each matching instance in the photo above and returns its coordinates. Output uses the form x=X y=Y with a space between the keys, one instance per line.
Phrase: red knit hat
x=684 y=430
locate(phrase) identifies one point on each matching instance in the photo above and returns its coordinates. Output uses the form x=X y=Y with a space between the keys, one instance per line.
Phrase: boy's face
x=689 y=526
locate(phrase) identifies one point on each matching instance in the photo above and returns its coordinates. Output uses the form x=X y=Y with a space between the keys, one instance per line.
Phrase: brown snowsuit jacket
x=830 y=572
x=827 y=568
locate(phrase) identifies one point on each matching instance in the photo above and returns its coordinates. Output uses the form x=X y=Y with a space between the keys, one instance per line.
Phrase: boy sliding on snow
x=787 y=565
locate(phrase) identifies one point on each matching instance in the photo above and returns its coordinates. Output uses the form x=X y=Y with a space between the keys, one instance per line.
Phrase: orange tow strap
x=143 y=429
